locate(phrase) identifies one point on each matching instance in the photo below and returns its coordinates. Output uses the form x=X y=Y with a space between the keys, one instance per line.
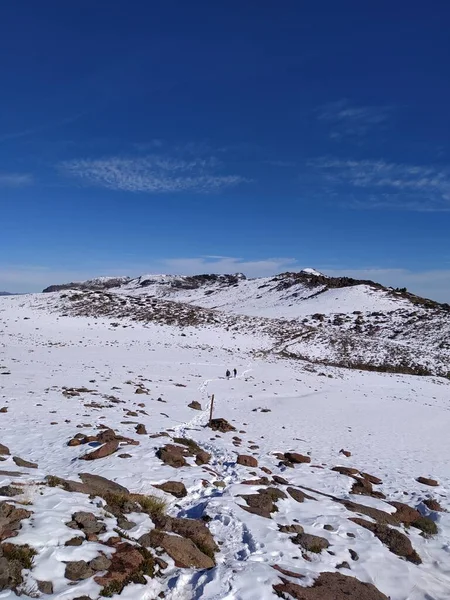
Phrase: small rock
x=4 y=450
x=312 y=543
x=176 y=488
x=221 y=425
x=9 y=491
x=295 y=528
x=426 y=481
x=182 y=551
x=296 y=458
x=24 y=463
x=100 y=563
x=45 y=587
x=88 y=522
x=329 y=528
x=105 y=450
x=354 y=555
x=246 y=461
x=75 y=541
x=195 y=405
x=345 y=453
x=140 y=429
x=298 y=495
x=78 y=570
x=280 y=480
x=343 y=565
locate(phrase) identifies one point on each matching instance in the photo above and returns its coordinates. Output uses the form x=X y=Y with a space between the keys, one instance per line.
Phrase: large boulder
x=329 y=586
x=181 y=550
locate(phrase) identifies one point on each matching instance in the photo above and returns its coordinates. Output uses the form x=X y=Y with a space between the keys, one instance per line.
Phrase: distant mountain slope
x=7 y=294
x=99 y=283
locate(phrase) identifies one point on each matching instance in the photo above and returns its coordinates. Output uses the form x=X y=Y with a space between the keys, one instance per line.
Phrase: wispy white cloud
x=387 y=184
x=152 y=174
x=347 y=120
x=16 y=179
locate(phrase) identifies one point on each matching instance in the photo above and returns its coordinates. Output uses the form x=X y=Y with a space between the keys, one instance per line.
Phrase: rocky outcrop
x=329 y=586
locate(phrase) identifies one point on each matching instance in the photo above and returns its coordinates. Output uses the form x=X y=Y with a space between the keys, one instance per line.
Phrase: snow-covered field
x=395 y=426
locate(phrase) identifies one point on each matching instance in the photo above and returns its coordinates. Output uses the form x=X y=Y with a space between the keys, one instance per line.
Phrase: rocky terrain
x=322 y=474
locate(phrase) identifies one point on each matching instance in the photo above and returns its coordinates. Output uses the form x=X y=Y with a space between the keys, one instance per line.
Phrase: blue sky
x=235 y=136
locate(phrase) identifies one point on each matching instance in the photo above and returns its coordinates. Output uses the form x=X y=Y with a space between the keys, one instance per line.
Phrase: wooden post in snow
x=211 y=409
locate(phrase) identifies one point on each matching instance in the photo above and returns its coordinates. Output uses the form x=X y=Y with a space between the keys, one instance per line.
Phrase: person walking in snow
x=227 y=374
x=235 y=372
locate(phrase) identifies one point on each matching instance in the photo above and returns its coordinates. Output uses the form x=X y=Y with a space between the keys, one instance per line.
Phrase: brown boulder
x=172 y=455
x=195 y=405
x=363 y=487
x=193 y=529
x=20 y=462
x=259 y=504
x=88 y=522
x=298 y=495
x=176 y=488
x=202 y=457
x=346 y=453
x=296 y=458
x=312 y=543
x=4 y=450
x=10 y=518
x=182 y=551
x=372 y=478
x=99 y=486
x=246 y=461
x=350 y=471
x=105 y=450
x=295 y=528
x=125 y=562
x=426 y=481
x=221 y=425
x=404 y=513
x=78 y=570
x=329 y=586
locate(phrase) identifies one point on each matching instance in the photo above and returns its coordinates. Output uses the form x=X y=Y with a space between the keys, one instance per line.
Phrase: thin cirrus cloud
x=381 y=184
x=347 y=120
x=152 y=174
x=15 y=180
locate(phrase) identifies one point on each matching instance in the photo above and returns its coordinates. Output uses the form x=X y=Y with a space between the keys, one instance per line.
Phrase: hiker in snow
x=228 y=374
x=235 y=372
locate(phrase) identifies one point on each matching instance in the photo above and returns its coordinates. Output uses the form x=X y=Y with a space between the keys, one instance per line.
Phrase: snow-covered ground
x=395 y=426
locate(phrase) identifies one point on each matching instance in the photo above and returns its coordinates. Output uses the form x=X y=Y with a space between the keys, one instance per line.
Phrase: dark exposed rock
x=100 y=563
x=280 y=480
x=202 y=457
x=140 y=429
x=183 y=551
x=354 y=555
x=105 y=450
x=126 y=563
x=397 y=542
x=298 y=495
x=221 y=425
x=9 y=491
x=372 y=478
x=427 y=481
x=346 y=470
x=78 y=570
x=75 y=541
x=404 y=513
x=99 y=486
x=20 y=462
x=45 y=587
x=345 y=453
x=172 y=455
x=176 y=488
x=193 y=529
x=296 y=458
x=312 y=543
x=246 y=461
x=10 y=519
x=195 y=405
x=329 y=586
x=363 y=487
x=295 y=528
x=4 y=450
x=259 y=504
x=288 y=573
x=88 y=522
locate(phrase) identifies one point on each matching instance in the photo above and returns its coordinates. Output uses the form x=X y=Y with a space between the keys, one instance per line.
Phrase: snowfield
x=67 y=370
